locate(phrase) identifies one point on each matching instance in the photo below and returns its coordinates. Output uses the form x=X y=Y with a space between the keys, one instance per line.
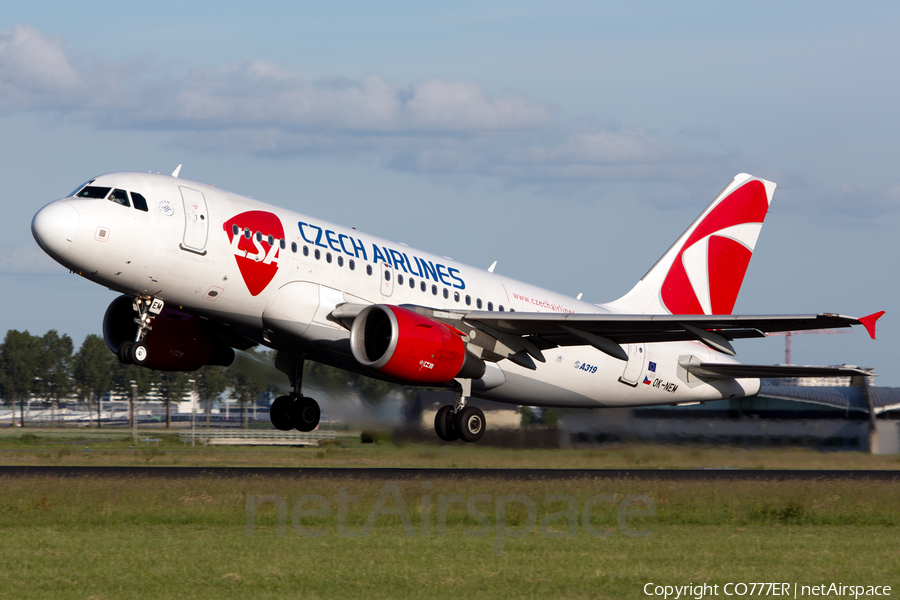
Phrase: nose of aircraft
x=54 y=227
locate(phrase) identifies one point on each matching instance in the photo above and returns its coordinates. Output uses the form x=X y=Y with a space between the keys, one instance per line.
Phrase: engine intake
x=410 y=347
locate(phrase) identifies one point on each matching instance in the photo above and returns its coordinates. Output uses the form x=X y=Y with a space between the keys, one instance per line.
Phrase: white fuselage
x=191 y=249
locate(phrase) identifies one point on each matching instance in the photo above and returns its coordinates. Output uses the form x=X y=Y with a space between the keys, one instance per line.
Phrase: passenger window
x=368 y=269
x=352 y=264
x=294 y=247
x=340 y=260
x=318 y=254
x=328 y=257
x=258 y=236
x=412 y=283
x=387 y=275
x=271 y=240
x=246 y=233
x=500 y=308
x=490 y=306
x=422 y=286
x=456 y=296
x=446 y=293
x=120 y=197
x=305 y=250
x=235 y=229
x=140 y=203
x=400 y=279
x=92 y=191
x=434 y=290
x=478 y=303
x=281 y=243
x=468 y=300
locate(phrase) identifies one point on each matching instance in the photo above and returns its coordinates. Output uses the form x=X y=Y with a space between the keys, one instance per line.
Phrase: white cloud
x=845 y=201
x=29 y=259
x=34 y=69
x=435 y=126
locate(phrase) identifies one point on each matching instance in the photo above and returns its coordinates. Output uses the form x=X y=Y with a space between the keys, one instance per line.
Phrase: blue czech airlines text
x=345 y=244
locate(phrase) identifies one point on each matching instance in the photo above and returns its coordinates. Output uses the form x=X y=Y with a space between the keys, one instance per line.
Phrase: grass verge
x=142 y=537
x=115 y=448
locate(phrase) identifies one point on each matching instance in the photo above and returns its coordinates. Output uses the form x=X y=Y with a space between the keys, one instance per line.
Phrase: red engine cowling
x=178 y=341
x=410 y=347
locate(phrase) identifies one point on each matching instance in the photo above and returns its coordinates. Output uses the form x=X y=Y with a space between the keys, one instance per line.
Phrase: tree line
x=49 y=369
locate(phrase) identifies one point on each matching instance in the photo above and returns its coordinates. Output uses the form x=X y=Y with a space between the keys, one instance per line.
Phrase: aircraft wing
x=607 y=332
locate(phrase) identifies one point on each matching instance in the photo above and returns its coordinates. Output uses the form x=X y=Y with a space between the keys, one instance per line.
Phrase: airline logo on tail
x=707 y=273
x=255 y=238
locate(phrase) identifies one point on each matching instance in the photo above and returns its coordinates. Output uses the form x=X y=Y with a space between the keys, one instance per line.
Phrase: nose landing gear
x=136 y=352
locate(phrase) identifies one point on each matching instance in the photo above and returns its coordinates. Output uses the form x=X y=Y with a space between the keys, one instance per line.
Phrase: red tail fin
x=703 y=271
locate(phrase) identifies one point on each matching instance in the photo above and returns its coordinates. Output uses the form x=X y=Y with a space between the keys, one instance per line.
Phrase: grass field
x=149 y=538
x=115 y=447
x=142 y=537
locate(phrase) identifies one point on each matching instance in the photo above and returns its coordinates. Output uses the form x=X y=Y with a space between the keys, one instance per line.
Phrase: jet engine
x=178 y=341
x=410 y=347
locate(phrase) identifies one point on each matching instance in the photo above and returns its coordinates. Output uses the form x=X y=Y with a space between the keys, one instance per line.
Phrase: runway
x=505 y=474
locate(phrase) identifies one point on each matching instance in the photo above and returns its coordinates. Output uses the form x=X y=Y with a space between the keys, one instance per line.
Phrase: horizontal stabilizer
x=737 y=371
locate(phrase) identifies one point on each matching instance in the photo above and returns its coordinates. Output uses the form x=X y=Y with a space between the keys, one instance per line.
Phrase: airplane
x=207 y=274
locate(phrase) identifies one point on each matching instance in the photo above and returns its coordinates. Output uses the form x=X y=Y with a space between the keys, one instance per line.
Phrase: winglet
x=869 y=322
x=176 y=171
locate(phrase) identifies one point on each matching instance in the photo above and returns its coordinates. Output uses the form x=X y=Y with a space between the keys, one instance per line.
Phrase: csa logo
x=708 y=271
x=256 y=247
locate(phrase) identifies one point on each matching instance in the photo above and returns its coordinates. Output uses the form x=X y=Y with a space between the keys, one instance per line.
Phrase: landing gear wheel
x=139 y=353
x=445 y=425
x=305 y=414
x=470 y=423
x=280 y=413
x=124 y=353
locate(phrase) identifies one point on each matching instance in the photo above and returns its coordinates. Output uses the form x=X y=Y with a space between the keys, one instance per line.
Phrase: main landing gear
x=295 y=411
x=136 y=352
x=459 y=422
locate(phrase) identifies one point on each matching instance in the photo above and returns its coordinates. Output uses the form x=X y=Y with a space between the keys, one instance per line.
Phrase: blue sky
x=570 y=141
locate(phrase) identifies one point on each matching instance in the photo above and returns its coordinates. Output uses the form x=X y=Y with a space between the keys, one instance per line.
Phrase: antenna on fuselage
x=491 y=268
x=580 y=294
x=176 y=171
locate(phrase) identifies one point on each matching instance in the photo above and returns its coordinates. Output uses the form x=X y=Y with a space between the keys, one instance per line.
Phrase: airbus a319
x=206 y=274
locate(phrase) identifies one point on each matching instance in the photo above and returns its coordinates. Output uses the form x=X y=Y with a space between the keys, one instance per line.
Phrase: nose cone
x=54 y=227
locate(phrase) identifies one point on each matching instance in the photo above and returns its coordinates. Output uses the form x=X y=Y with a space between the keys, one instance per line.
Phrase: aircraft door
x=387 y=280
x=196 y=221
x=635 y=365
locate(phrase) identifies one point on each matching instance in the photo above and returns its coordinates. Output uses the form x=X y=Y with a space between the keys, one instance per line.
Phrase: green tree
x=245 y=389
x=93 y=371
x=19 y=359
x=54 y=370
x=171 y=385
x=122 y=378
x=211 y=382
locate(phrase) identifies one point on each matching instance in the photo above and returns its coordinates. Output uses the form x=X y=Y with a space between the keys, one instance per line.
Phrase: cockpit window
x=120 y=197
x=78 y=189
x=140 y=202
x=92 y=191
